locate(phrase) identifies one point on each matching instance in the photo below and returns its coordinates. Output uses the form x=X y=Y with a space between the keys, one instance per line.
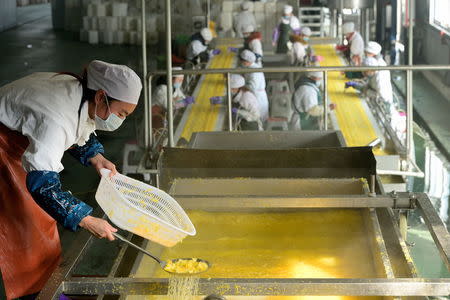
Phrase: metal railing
x=325 y=70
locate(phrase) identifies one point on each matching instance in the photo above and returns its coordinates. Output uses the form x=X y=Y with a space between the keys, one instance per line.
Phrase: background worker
x=244 y=19
x=159 y=97
x=198 y=50
x=255 y=82
x=354 y=50
x=288 y=25
x=307 y=103
x=246 y=109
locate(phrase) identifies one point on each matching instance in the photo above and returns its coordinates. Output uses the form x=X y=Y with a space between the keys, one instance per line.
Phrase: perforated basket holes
x=148 y=200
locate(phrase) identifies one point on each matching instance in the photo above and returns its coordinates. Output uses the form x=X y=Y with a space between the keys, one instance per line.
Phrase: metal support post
x=208 y=12
x=148 y=129
x=229 y=106
x=325 y=100
x=169 y=73
x=367 y=24
x=403 y=223
x=409 y=87
x=147 y=105
x=372 y=185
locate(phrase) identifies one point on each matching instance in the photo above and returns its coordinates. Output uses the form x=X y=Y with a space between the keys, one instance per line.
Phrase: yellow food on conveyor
x=203 y=116
x=351 y=116
x=307 y=244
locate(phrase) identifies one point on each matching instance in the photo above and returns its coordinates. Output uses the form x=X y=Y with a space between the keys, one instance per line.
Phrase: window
x=440 y=14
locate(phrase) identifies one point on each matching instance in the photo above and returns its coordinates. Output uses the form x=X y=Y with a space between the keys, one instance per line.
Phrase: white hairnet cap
x=315 y=74
x=288 y=9
x=246 y=5
x=248 y=55
x=248 y=28
x=206 y=34
x=370 y=62
x=118 y=81
x=348 y=27
x=236 y=81
x=373 y=47
x=177 y=69
x=306 y=31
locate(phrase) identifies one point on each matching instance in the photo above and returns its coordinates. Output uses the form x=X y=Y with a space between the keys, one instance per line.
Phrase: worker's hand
x=216 y=52
x=352 y=84
x=234 y=110
x=98 y=227
x=316 y=58
x=99 y=162
x=189 y=100
x=274 y=44
x=341 y=48
x=233 y=49
x=216 y=100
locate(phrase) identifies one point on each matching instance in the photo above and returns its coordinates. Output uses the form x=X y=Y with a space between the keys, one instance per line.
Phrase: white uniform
x=297 y=53
x=305 y=100
x=381 y=82
x=356 y=45
x=194 y=49
x=44 y=108
x=249 y=107
x=159 y=96
x=255 y=46
x=293 y=21
x=241 y=21
x=256 y=82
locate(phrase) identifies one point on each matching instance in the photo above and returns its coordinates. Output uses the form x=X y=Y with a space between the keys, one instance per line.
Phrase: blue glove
x=216 y=52
x=216 y=100
x=234 y=110
x=189 y=100
x=233 y=49
x=352 y=84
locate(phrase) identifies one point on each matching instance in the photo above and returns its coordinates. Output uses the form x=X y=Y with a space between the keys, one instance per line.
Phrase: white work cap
x=177 y=69
x=373 y=47
x=246 y=5
x=248 y=28
x=315 y=74
x=248 y=55
x=288 y=9
x=348 y=27
x=206 y=34
x=236 y=81
x=306 y=31
x=118 y=81
x=370 y=62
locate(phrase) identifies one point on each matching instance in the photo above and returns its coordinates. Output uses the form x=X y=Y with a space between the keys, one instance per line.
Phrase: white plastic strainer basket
x=143 y=209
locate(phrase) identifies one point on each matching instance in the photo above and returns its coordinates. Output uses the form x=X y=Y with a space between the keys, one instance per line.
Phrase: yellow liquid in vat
x=307 y=244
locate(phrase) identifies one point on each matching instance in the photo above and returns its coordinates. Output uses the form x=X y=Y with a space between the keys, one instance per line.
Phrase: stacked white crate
x=31 y=2
x=109 y=22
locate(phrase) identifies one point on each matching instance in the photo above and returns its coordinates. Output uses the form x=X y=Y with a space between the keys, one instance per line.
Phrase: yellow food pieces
x=186 y=266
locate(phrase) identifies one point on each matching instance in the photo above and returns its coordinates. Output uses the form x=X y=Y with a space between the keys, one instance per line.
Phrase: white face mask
x=111 y=123
x=176 y=85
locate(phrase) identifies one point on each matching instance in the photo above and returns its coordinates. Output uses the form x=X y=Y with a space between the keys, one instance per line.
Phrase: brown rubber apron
x=29 y=242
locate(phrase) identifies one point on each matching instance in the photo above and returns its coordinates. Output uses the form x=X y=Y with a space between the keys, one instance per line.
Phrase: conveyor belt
x=351 y=116
x=203 y=115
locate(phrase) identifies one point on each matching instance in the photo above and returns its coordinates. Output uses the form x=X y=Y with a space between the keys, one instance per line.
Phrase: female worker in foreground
x=42 y=116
